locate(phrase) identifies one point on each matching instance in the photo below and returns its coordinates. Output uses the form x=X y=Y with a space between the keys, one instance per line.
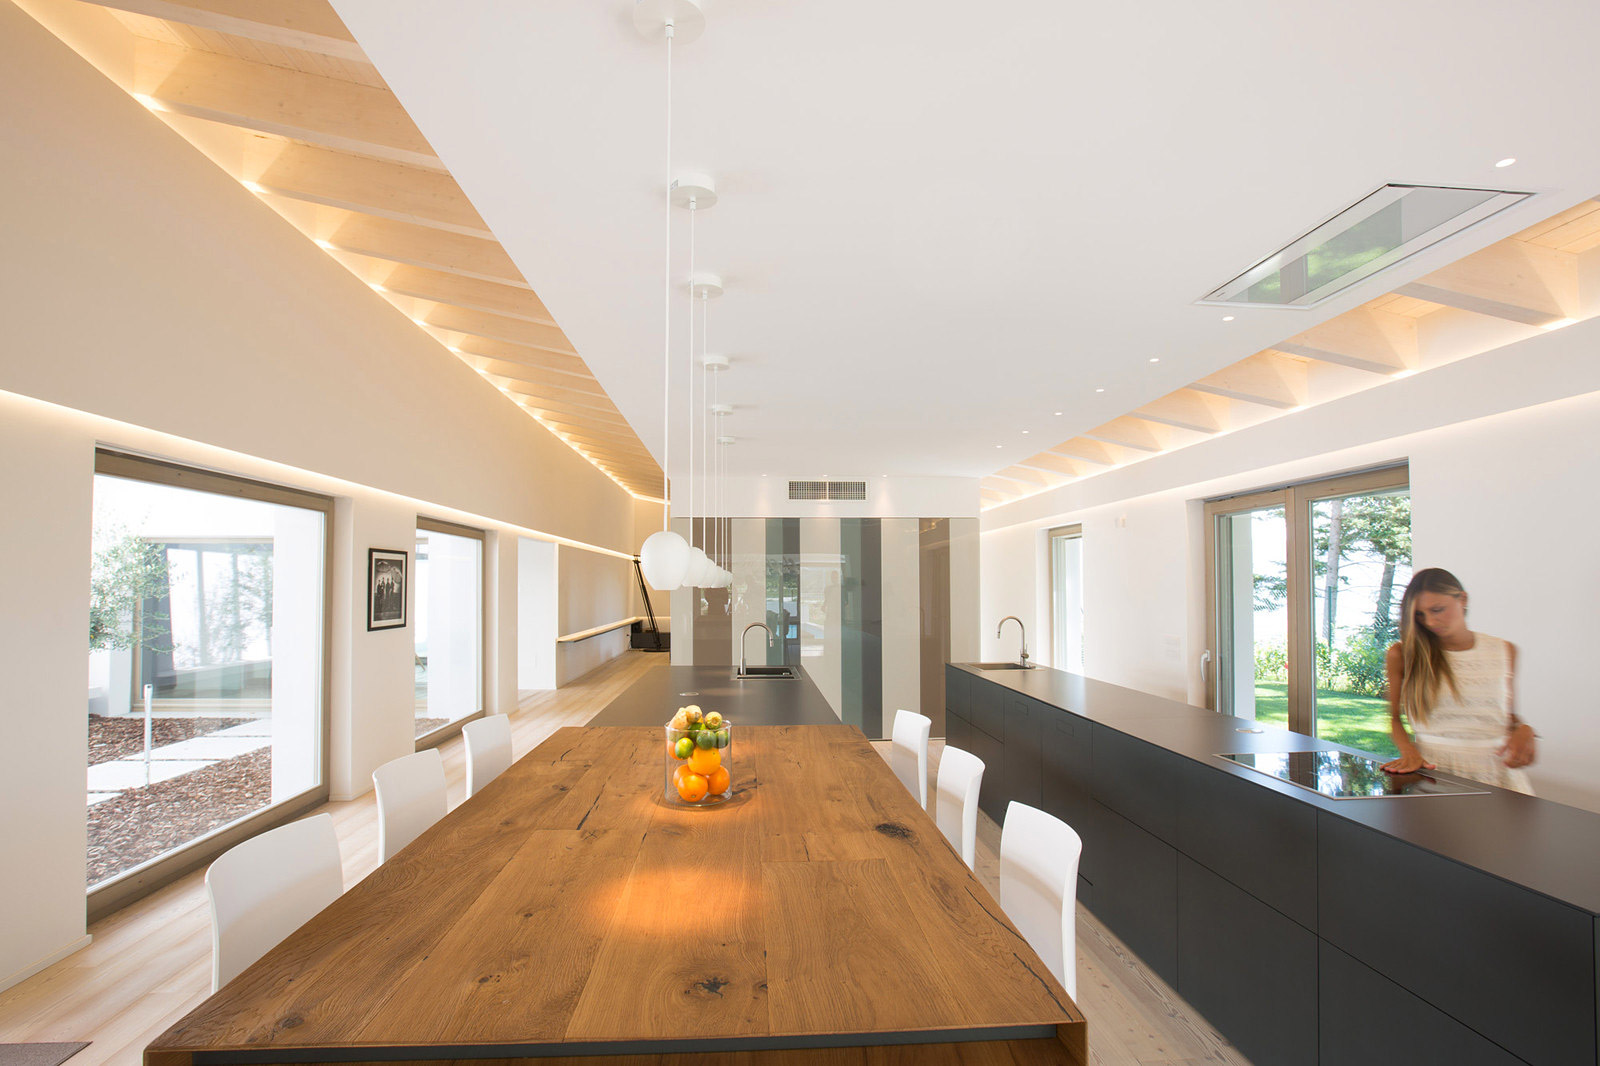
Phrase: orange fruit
x=705 y=760
x=719 y=781
x=692 y=787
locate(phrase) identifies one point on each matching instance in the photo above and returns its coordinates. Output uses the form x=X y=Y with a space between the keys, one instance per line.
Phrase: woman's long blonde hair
x=1425 y=668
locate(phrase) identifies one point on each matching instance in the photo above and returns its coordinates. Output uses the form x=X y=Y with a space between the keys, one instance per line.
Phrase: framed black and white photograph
x=386 y=589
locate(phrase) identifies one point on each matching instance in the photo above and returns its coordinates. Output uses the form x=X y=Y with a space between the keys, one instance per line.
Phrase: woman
x=1456 y=688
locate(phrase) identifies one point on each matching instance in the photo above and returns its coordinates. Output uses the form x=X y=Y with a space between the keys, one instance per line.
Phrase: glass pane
x=449 y=630
x=1361 y=562
x=205 y=666
x=1066 y=566
x=1253 y=615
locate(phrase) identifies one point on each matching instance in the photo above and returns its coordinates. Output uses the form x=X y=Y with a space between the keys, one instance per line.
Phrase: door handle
x=1205 y=664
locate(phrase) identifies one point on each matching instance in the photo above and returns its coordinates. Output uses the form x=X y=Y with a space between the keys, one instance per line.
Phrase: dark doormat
x=39 y=1054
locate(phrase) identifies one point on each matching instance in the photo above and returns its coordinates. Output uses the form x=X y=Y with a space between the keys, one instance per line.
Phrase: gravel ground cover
x=123 y=738
x=142 y=823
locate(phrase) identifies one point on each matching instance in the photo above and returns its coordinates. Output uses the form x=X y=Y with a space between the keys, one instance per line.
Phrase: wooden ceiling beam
x=448 y=319
x=1057 y=464
x=1187 y=409
x=1128 y=432
x=343 y=230
x=539 y=358
x=336 y=114
x=1034 y=478
x=337 y=179
x=1513 y=280
x=1092 y=451
x=435 y=286
x=578 y=384
x=308 y=25
x=1267 y=378
x=1375 y=341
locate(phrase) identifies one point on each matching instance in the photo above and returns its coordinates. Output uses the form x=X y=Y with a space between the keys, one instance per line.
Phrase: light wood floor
x=150 y=963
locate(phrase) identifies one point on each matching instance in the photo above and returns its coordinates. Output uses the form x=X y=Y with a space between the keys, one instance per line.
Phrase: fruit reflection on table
x=699 y=756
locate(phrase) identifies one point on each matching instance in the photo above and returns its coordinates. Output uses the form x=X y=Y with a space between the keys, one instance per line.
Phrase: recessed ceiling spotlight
x=253 y=187
x=1024 y=433
x=1155 y=359
x=1227 y=318
x=999 y=445
x=1560 y=323
x=1507 y=161
x=419 y=321
x=1099 y=390
x=1058 y=414
x=324 y=245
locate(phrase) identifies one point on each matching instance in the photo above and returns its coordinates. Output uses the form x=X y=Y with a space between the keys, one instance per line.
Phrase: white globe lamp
x=664 y=558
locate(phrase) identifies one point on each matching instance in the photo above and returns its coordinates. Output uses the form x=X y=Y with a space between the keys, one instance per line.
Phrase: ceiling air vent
x=1370 y=235
x=827 y=490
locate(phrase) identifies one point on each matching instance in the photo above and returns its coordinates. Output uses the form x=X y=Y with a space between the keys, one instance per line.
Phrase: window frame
x=433 y=738
x=119 y=891
x=1071 y=531
x=1296 y=499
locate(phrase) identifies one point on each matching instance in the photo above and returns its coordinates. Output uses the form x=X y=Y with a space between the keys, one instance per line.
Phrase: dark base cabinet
x=1136 y=892
x=1365 y=1018
x=1248 y=969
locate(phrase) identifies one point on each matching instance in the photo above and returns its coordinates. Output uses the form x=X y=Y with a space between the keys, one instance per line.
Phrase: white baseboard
x=49 y=960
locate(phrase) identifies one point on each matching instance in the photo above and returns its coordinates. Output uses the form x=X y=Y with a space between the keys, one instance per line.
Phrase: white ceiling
x=941 y=223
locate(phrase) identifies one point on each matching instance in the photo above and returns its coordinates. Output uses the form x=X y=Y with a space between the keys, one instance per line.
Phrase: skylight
x=1370 y=235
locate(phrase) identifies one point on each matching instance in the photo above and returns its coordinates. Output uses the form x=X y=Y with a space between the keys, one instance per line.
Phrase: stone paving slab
x=260 y=727
x=214 y=747
x=126 y=773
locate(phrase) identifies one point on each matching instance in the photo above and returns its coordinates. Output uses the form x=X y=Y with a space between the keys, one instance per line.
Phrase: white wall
x=596 y=590
x=1503 y=486
x=153 y=305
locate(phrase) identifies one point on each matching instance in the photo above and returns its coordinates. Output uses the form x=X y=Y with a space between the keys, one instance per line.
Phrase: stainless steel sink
x=767 y=673
x=1005 y=666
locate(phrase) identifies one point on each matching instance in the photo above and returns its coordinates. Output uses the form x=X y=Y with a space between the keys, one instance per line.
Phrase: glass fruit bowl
x=699 y=761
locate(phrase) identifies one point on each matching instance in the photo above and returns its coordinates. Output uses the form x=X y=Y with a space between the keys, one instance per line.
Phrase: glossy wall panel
x=821 y=598
x=901 y=578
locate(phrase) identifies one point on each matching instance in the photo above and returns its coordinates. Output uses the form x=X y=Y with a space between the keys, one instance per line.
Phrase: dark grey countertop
x=1545 y=846
x=654 y=698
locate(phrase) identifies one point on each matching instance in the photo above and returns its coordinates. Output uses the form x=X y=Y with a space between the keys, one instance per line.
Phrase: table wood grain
x=569 y=909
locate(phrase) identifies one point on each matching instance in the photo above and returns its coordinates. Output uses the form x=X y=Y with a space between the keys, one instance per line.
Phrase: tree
x=1382 y=525
x=124 y=574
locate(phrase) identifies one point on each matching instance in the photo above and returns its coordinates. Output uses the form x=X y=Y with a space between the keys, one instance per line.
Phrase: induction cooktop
x=1346 y=775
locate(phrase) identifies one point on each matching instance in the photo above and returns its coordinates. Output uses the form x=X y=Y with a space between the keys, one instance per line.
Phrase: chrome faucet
x=744 y=635
x=1014 y=618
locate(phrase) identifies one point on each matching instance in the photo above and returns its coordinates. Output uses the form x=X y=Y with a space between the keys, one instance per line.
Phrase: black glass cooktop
x=1345 y=775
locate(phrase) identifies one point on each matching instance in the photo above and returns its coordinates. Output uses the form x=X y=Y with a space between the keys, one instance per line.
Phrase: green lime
x=684 y=747
x=705 y=739
x=722 y=738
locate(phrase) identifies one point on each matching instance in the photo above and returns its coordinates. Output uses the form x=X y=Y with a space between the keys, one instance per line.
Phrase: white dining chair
x=488 y=750
x=267 y=887
x=908 y=753
x=1039 y=886
x=955 y=800
x=411 y=798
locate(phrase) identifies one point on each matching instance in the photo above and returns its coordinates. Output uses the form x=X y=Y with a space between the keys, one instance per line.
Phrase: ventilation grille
x=827 y=490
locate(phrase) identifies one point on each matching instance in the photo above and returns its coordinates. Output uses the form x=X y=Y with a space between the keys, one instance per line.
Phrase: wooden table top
x=568 y=908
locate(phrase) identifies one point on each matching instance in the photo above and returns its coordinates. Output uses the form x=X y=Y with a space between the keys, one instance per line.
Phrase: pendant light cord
x=666 y=327
x=690 y=383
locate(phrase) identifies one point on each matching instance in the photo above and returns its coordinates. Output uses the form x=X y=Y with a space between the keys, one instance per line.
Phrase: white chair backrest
x=908 y=753
x=1039 y=886
x=410 y=799
x=955 y=800
x=488 y=750
x=267 y=887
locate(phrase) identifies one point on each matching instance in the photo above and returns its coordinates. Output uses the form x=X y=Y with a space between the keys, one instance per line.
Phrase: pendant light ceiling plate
x=706 y=286
x=715 y=364
x=650 y=18
x=727 y=440
x=696 y=187
x=722 y=408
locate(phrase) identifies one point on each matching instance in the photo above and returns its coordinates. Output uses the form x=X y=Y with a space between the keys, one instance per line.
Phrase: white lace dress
x=1466 y=726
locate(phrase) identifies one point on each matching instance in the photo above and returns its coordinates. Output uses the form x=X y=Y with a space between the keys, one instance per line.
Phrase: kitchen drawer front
x=957 y=692
x=1248 y=969
x=988 y=704
x=1365 y=1017
x=1518 y=967
x=1263 y=842
x=1025 y=718
x=1136 y=892
x=1066 y=751
x=1139 y=781
x=991 y=793
x=957 y=730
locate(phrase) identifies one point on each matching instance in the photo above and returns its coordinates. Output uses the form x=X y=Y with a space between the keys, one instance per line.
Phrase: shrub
x=1272 y=661
x=1360 y=665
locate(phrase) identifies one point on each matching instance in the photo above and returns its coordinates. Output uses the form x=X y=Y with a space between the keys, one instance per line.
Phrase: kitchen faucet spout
x=1023 y=628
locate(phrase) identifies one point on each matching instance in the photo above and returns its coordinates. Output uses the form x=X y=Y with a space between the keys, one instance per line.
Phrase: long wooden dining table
x=570 y=911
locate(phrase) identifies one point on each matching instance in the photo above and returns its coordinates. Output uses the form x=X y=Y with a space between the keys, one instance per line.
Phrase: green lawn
x=1359 y=721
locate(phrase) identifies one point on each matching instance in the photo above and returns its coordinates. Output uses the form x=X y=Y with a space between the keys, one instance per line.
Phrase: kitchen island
x=1458 y=929
x=766 y=701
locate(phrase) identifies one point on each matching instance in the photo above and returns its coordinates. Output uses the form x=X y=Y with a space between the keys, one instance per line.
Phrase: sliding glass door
x=448 y=633
x=1304 y=587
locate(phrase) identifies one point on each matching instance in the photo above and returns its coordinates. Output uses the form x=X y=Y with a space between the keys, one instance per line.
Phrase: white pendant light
x=664 y=557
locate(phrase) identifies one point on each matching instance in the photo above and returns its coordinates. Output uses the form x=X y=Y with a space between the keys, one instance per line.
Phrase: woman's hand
x=1520 y=747
x=1409 y=762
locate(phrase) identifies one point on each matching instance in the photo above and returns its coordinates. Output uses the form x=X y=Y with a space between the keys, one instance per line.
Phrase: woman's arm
x=1410 y=759
x=1521 y=743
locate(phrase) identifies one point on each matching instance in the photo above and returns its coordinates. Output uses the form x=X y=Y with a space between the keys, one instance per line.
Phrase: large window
x=1304 y=599
x=1066 y=598
x=449 y=627
x=207 y=645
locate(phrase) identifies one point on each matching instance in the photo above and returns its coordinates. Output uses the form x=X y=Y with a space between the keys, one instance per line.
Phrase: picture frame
x=386 y=588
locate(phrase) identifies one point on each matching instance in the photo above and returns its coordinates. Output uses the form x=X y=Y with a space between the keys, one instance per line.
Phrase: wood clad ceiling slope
x=278 y=94
x=1527 y=282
